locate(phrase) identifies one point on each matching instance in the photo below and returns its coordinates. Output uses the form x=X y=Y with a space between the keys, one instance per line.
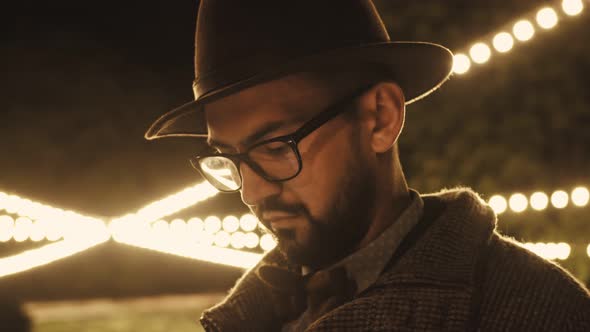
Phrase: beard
x=338 y=233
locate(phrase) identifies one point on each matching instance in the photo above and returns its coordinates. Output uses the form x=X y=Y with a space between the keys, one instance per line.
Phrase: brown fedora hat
x=242 y=43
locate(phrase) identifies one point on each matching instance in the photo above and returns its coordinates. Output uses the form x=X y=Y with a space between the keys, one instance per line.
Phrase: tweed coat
x=453 y=272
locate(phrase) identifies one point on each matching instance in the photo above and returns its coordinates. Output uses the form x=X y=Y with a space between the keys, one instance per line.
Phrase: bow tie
x=318 y=292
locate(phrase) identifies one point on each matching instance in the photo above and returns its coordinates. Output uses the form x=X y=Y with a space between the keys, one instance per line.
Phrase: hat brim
x=418 y=68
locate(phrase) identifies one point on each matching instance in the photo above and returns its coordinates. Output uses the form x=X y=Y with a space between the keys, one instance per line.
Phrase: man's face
x=322 y=214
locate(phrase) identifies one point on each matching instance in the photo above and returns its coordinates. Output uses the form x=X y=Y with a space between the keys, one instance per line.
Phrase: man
x=302 y=104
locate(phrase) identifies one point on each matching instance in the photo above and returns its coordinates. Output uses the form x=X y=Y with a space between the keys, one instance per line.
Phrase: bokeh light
x=572 y=7
x=161 y=227
x=559 y=199
x=461 y=63
x=503 y=42
x=222 y=239
x=248 y=222
x=480 y=53
x=204 y=238
x=38 y=231
x=251 y=240
x=550 y=250
x=22 y=229
x=523 y=30
x=267 y=242
x=231 y=224
x=498 y=204
x=178 y=227
x=518 y=202
x=212 y=224
x=580 y=196
x=563 y=250
x=54 y=229
x=173 y=203
x=6 y=228
x=539 y=201
x=238 y=240
x=194 y=225
x=547 y=18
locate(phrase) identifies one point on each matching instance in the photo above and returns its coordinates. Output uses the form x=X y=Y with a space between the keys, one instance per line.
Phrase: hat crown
x=243 y=37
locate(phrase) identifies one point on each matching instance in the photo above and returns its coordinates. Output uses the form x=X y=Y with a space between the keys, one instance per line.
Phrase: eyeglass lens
x=275 y=160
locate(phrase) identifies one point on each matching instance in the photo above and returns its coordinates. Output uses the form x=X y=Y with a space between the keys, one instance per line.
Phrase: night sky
x=80 y=85
x=81 y=82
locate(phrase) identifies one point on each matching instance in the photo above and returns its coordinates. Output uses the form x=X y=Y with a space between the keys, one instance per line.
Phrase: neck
x=392 y=199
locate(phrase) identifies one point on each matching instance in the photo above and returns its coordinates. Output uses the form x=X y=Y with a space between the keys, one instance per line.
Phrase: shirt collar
x=365 y=265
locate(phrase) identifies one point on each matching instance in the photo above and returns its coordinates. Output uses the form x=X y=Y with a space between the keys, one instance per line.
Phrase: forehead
x=281 y=102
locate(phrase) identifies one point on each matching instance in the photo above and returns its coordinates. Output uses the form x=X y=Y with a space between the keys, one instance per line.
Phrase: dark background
x=81 y=82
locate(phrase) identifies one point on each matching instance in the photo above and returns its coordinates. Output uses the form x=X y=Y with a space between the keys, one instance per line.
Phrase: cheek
x=324 y=170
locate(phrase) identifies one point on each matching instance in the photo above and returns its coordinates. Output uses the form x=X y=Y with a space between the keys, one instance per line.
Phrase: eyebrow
x=258 y=134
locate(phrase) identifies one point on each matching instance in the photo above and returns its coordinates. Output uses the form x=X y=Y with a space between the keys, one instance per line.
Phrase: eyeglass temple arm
x=327 y=115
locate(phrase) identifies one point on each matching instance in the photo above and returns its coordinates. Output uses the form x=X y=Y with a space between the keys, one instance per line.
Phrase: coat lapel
x=432 y=279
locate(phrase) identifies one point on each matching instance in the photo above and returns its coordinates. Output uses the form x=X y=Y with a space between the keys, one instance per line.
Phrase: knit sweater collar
x=447 y=252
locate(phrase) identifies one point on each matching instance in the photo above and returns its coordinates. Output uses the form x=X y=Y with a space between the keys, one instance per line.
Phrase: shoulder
x=527 y=268
x=522 y=285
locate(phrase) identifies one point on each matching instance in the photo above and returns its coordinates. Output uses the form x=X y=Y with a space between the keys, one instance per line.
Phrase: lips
x=278 y=220
x=276 y=216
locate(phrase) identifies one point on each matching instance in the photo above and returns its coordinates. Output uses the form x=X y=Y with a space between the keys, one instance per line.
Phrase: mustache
x=275 y=204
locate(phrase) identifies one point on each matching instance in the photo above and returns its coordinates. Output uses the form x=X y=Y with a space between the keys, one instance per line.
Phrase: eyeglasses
x=277 y=159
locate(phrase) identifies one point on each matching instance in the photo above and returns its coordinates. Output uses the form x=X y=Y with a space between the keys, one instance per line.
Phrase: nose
x=255 y=188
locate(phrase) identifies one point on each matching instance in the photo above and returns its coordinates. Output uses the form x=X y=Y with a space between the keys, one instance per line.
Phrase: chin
x=312 y=254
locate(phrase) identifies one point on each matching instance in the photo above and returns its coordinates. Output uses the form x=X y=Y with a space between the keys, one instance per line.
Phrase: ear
x=388 y=116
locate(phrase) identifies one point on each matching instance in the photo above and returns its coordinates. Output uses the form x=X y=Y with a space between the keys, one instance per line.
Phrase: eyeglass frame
x=293 y=139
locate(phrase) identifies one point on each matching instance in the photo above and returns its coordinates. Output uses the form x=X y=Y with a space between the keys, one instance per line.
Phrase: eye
x=272 y=149
x=276 y=148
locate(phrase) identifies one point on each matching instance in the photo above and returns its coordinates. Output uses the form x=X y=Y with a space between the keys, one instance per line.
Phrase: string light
x=523 y=30
x=201 y=252
x=212 y=224
x=178 y=227
x=572 y=7
x=222 y=239
x=88 y=236
x=41 y=256
x=248 y=222
x=498 y=204
x=580 y=196
x=559 y=199
x=49 y=217
x=6 y=228
x=503 y=42
x=461 y=63
x=37 y=231
x=55 y=232
x=170 y=205
x=518 y=202
x=238 y=240
x=231 y=224
x=22 y=229
x=539 y=201
x=267 y=242
x=195 y=225
x=480 y=53
x=547 y=18
x=161 y=227
x=550 y=250
x=251 y=240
